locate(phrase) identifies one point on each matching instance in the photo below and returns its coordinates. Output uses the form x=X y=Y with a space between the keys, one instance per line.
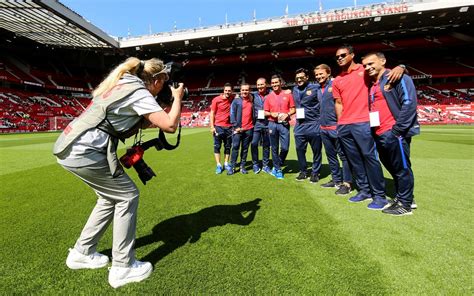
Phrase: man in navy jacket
x=307 y=128
x=341 y=179
x=241 y=118
x=394 y=121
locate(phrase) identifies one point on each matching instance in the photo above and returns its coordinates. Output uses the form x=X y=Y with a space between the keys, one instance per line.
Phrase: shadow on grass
x=325 y=171
x=177 y=231
x=389 y=188
x=293 y=167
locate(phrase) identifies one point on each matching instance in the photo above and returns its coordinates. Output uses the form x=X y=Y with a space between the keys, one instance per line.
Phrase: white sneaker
x=137 y=272
x=76 y=260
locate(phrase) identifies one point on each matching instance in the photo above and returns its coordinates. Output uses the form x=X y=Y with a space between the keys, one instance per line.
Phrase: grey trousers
x=117 y=201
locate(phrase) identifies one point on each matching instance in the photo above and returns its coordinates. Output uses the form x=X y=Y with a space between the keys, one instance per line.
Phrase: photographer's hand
x=178 y=92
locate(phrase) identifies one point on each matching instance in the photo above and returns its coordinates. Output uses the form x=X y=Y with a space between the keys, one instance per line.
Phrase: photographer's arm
x=168 y=122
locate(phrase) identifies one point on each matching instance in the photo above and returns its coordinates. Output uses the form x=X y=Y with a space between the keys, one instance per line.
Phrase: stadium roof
x=422 y=18
x=51 y=23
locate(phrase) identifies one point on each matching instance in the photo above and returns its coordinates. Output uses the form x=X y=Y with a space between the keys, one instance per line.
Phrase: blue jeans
x=261 y=134
x=240 y=139
x=279 y=133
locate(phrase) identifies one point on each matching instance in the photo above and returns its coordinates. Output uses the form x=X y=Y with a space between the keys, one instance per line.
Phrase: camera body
x=174 y=71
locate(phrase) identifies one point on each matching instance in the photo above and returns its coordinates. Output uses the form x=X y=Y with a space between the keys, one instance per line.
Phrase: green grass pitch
x=205 y=234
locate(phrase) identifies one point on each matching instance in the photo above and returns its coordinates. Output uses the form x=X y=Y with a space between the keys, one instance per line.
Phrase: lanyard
x=262 y=98
x=324 y=89
x=372 y=95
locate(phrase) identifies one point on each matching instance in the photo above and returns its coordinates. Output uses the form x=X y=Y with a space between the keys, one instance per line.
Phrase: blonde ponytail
x=131 y=65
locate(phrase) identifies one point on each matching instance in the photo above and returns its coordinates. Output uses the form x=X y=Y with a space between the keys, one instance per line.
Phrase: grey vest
x=95 y=116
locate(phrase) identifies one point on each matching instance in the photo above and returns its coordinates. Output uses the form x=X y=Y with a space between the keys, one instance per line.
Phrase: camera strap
x=161 y=142
x=166 y=144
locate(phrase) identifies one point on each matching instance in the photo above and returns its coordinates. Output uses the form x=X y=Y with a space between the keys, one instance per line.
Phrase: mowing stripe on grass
x=192 y=224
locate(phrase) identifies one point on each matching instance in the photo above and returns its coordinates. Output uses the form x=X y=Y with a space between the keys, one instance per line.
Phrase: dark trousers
x=261 y=135
x=279 y=133
x=223 y=135
x=395 y=155
x=333 y=149
x=314 y=140
x=240 y=139
x=359 y=147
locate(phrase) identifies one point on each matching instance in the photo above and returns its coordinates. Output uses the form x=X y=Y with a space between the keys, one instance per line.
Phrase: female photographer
x=123 y=103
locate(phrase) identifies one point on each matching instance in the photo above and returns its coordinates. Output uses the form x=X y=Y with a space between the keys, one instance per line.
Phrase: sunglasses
x=342 y=55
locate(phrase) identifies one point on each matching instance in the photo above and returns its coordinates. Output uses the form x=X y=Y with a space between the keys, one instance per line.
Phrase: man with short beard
x=307 y=129
x=221 y=128
x=279 y=106
x=394 y=121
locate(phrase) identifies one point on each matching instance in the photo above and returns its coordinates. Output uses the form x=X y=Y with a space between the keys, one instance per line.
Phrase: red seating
x=29 y=111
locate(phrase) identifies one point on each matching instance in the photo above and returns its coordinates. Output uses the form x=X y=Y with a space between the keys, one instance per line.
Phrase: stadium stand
x=46 y=80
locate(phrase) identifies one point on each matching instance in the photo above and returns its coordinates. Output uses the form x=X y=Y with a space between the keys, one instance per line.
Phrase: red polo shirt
x=379 y=104
x=280 y=103
x=221 y=107
x=352 y=88
x=247 y=115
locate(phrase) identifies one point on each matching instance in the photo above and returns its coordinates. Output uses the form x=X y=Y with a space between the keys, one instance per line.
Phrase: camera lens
x=145 y=173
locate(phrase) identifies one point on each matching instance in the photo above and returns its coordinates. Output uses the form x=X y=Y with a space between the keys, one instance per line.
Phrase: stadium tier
x=26 y=111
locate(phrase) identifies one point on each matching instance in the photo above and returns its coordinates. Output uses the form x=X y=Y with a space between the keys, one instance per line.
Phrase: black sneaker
x=329 y=184
x=314 y=178
x=413 y=205
x=397 y=209
x=343 y=190
x=302 y=176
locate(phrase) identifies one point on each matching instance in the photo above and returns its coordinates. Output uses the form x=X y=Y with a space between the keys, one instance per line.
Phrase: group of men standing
x=366 y=114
